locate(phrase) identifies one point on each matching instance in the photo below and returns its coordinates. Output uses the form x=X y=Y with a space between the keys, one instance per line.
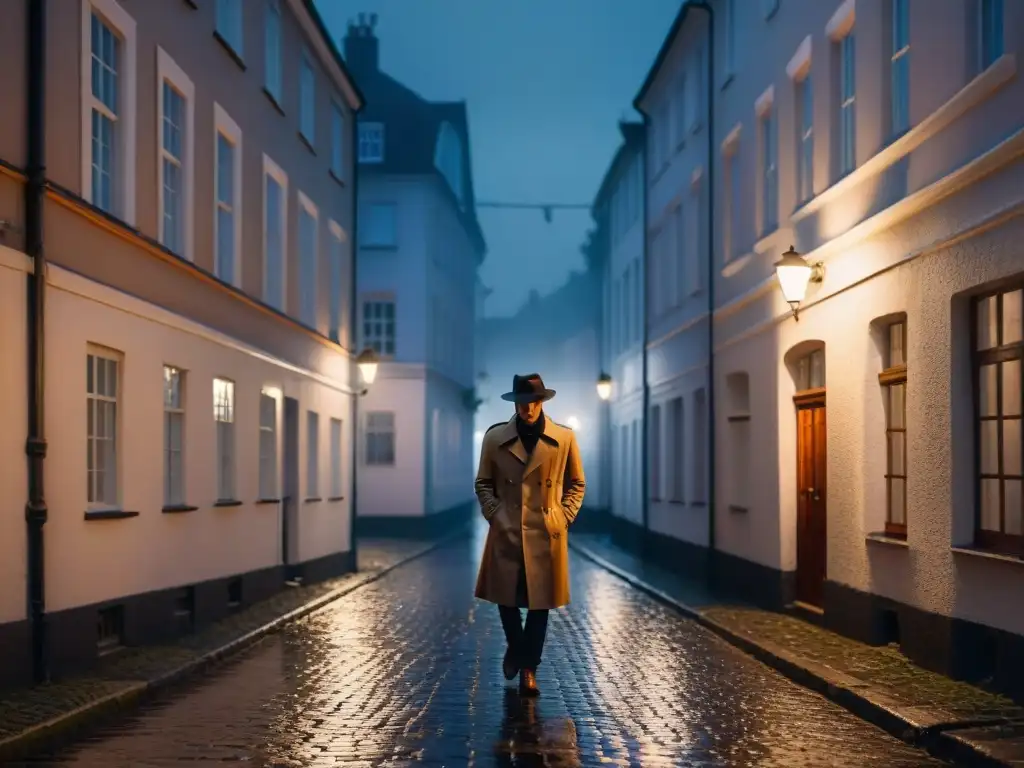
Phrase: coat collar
x=553 y=435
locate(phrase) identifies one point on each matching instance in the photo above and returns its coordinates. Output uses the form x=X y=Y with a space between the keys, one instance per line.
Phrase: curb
x=857 y=697
x=60 y=730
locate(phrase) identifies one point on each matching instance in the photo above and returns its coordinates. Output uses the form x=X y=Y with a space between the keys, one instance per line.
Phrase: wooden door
x=811 y=504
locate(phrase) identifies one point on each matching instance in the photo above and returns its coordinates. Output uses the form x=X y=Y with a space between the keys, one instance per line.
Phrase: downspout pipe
x=35 y=445
x=712 y=427
x=645 y=415
x=353 y=343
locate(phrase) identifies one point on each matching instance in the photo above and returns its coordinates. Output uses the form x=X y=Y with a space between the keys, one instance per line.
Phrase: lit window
x=894 y=386
x=174 y=436
x=224 y=418
x=268 y=446
x=102 y=392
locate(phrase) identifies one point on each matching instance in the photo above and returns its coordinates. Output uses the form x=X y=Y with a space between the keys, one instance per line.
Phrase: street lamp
x=367 y=361
x=604 y=386
x=794 y=274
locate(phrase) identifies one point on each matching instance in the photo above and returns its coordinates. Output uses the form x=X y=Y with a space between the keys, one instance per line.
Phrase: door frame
x=810 y=400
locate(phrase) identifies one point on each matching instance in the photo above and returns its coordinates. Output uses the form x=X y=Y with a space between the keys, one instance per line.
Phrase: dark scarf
x=530 y=433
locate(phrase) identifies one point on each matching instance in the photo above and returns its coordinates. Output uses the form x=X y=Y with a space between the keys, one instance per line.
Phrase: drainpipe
x=645 y=417
x=353 y=335
x=35 y=445
x=712 y=427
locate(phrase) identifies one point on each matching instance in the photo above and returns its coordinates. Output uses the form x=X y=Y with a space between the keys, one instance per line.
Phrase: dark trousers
x=525 y=644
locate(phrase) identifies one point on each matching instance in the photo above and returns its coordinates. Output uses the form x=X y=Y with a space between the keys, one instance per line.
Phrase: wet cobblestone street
x=406 y=671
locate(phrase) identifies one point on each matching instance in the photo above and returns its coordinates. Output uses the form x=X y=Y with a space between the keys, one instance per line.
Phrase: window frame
x=805 y=138
x=337 y=140
x=899 y=69
x=655 y=469
x=170 y=74
x=366 y=142
x=998 y=354
x=174 y=496
x=846 y=92
x=894 y=375
x=698 y=448
x=370 y=457
x=337 y=433
x=998 y=12
x=272 y=170
x=269 y=483
x=307 y=99
x=365 y=228
x=336 y=305
x=312 y=455
x=111 y=486
x=225 y=452
x=677 y=421
x=273 y=61
x=309 y=311
x=371 y=340
x=768 y=138
x=224 y=126
x=123 y=179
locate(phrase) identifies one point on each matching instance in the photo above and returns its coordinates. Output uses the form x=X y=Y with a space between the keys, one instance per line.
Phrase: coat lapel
x=546 y=448
x=510 y=439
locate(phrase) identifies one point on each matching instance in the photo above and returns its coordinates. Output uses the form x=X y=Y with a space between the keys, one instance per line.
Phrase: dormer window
x=448 y=159
x=371 y=142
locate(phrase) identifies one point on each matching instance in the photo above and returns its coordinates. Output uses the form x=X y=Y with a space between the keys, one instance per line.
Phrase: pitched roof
x=632 y=143
x=328 y=40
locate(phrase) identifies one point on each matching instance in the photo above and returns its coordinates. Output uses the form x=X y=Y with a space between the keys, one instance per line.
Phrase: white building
x=198 y=385
x=618 y=213
x=884 y=141
x=420 y=246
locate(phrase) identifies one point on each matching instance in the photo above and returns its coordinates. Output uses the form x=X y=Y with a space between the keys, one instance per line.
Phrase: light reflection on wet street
x=406 y=671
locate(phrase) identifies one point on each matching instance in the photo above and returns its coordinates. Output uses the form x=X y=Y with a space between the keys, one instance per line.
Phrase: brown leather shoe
x=509 y=667
x=528 y=683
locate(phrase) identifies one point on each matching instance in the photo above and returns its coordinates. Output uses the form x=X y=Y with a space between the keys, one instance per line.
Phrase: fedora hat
x=528 y=389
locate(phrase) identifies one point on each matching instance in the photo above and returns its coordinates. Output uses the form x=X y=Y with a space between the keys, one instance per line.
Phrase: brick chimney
x=362 y=49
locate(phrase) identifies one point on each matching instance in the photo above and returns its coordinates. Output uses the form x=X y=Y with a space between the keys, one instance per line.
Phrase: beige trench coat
x=529 y=502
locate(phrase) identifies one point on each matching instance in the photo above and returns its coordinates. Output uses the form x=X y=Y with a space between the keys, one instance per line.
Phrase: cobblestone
x=407 y=671
x=125 y=670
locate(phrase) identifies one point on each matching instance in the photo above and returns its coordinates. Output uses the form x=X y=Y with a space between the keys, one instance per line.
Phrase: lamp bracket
x=817 y=272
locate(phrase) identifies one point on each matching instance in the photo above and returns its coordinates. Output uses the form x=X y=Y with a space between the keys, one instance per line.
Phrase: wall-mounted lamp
x=794 y=274
x=604 y=386
x=573 y=423
x=367 y=362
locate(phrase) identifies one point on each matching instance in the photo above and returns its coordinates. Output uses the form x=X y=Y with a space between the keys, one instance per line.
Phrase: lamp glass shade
x=604 y=387
x=367 y=361
x=794 y=274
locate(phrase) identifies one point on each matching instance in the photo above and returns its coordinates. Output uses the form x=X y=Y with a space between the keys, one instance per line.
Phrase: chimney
x=362 y=49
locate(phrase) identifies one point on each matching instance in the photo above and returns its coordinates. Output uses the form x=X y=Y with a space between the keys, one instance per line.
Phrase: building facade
x=195 y=220
x=420 y=247
x=883 y=141
x=618 y=212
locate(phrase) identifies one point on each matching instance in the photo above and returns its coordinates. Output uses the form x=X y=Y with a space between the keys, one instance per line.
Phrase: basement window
x=234 y=593
x=185 y=609
x=110 y=629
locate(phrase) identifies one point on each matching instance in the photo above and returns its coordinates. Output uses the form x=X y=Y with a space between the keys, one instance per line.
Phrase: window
x=337 y=489
x=900 y=67
x=174 y=436
x=730 y=39
x=378 y=227
x=655 y=448
x=268 y=446
x=175 y=118
x=275 y=233
x=272 y=76
x=308 y=249
x=102 y=392
x=991 y=37
x=810 y=371
x=224 y=417
x=109 y=109
x=379 y=326
x=627 y=304
x=805 y=148
x=228 y=221
x=682 y=109
x=307 y=99
x=229 y=24
x=769 y=8
x=700 y=447
x=312 y=455
x=692 y=242
x=737 y=387
x=847 y=105
x=338 y=283
x=894 y=387
x=677 y=450
x=371 y=142
x=769 y=173
x=448 y=159
x=337 y=141
x=380 y=438
x=999 y=345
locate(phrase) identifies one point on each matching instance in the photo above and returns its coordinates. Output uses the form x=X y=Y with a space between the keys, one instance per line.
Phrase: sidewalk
x=950 y=719
x=52 y=714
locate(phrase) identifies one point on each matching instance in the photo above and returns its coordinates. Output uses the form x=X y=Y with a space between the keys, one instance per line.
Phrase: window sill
x=307 y=142
x=727 y=81
x=772 y=239
x=172 y=509
x=193 y=3
x=988 y=554
x=273 y=100
x=336 y=177
x=700 y=504
x=227 y=503
x=312 y=500
x=738 y=417
x=738 y=509
x=109 y=514
x=677 y=502
x=267 y=501
x=734 y=266
x=377 y=247
x=880 y=537
x=336 y=498
x=235 y=56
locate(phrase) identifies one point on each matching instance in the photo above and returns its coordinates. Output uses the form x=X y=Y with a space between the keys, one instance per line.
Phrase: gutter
x=35 y=445
x=353 y=335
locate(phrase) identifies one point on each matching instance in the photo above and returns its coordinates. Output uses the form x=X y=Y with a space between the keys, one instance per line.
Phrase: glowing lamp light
x=367 y=362
x=604 y=386
x=794 y=274
x=478 y=435
x=572 y=422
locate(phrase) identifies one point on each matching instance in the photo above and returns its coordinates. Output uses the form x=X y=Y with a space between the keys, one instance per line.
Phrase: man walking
x=530 y=485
